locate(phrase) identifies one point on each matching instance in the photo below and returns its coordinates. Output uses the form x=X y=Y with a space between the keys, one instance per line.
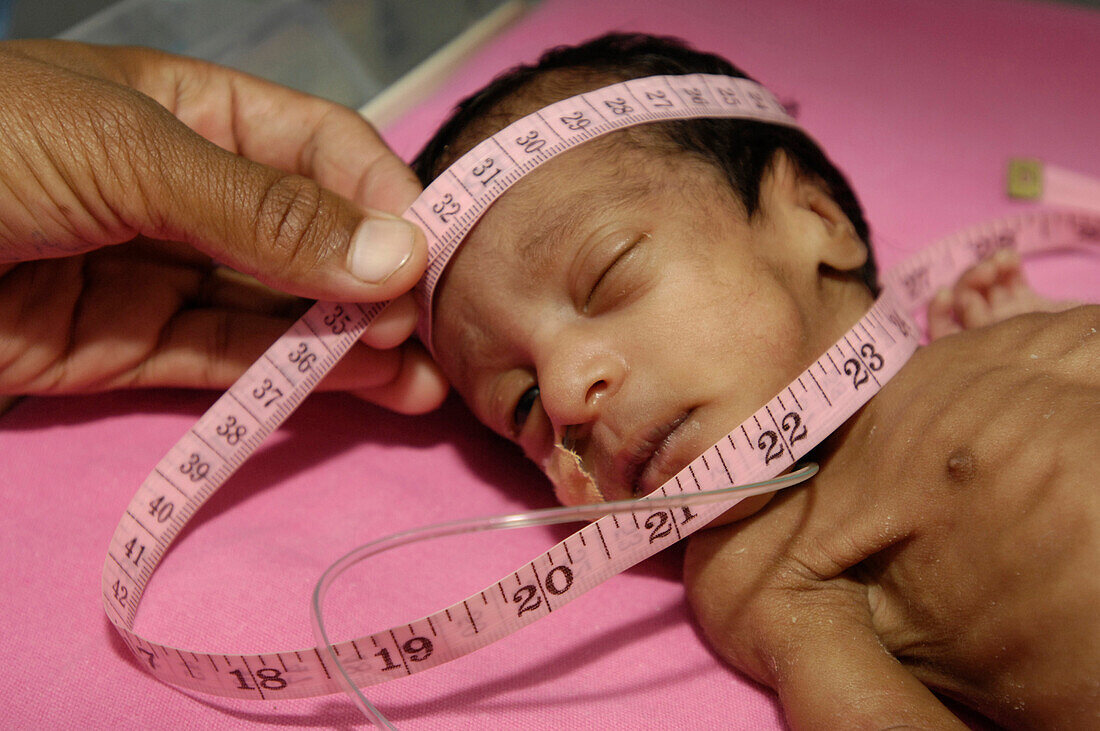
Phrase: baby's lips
x=572 y=483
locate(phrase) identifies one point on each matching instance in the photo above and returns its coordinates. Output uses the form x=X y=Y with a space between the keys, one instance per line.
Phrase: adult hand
x=155 y=209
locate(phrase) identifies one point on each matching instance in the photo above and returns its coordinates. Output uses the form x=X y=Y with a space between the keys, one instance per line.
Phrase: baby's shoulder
x=986 y=393
x=1026 y=346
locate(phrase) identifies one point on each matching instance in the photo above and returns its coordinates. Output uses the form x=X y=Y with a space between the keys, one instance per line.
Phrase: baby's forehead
x=557 y=200
x=518 y=244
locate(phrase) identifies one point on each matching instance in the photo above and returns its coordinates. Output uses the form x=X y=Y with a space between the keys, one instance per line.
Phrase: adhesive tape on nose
x=573 y=485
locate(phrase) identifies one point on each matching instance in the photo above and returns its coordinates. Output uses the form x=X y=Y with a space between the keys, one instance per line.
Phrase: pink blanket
x=921 y=102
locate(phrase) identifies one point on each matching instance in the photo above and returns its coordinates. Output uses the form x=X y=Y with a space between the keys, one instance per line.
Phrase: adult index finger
x=277 y=126
x=271 y=124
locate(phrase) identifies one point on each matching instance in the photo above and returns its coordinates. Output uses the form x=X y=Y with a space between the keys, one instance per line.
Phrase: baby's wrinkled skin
x=952 y=537
x=954 y=526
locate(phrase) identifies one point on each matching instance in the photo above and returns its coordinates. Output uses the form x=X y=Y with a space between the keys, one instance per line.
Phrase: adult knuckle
x=126 y=142
x=332 y=117
x=119 y=125
x=292 y=221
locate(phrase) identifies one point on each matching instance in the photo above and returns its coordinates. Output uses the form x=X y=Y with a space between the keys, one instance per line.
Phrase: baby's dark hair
x=743 y=150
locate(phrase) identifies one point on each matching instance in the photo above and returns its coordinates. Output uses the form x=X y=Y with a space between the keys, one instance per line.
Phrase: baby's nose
x=578 y=379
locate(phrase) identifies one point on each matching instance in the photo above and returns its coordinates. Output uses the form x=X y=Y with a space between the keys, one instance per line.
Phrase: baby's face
x=619 y=300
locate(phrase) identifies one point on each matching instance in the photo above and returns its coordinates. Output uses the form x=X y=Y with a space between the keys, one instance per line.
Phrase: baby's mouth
x=639 y=467
x=642 y=464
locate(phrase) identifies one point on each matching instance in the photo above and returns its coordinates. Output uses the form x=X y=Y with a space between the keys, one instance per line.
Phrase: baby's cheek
x=572 y=483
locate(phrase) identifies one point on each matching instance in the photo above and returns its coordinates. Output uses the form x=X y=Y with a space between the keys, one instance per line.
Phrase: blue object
x=5 y=18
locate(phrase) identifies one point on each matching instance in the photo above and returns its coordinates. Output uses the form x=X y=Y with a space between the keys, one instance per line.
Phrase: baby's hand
x=992 y=290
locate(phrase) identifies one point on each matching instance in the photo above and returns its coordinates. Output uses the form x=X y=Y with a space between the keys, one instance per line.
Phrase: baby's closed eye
x=613 y=282
x=523 y=408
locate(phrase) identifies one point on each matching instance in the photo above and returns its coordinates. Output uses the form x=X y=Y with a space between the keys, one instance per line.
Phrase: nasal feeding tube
x=528 y=519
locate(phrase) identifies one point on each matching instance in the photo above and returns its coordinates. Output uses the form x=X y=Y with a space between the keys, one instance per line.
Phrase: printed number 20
x=558 y=581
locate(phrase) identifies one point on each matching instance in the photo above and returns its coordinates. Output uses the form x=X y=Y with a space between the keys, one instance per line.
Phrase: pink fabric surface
x=920 y=101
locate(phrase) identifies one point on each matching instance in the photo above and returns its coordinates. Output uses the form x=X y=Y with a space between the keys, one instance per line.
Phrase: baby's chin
x=573 y=485
x=747 y=507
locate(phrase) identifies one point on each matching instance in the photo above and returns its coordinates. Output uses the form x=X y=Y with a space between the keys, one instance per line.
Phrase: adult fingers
x=263 y=121
x=211 y=347
x=228 y=289
x=285 y=229
x=394 y=324
x=418 y=388
x=95 y=163
x=291 y=131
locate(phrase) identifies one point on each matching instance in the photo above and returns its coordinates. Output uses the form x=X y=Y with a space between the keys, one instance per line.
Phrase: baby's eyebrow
x=540 y=247
x=549 y=225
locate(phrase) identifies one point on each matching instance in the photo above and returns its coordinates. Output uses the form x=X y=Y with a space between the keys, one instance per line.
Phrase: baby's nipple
x=572 y=483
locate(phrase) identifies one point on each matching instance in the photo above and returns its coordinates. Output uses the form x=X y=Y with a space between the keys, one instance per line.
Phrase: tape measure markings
x=938 y=265
x=533 y=147
x=243 y=438
x=230 y=431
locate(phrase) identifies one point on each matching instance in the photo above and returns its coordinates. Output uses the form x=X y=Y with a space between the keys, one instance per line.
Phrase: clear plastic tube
x=548 y=516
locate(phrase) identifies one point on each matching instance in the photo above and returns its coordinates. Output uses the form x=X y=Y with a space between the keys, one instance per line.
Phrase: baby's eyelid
x=522 y=410
x=616 y=258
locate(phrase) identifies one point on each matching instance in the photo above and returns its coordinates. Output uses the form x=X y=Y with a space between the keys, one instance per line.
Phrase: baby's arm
x=993 y=290
x=809 y=637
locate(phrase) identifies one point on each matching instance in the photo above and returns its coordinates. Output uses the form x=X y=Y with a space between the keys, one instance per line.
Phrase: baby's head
x=637 y=297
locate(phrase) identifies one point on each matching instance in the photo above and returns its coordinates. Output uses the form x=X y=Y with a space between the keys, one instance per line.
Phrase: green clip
x=1025 y=178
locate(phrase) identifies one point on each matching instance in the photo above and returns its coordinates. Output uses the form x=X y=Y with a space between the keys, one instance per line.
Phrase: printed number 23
x=853 y=368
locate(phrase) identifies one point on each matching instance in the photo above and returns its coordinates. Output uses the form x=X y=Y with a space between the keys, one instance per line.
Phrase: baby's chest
x=1000 y=429
x=961 y=478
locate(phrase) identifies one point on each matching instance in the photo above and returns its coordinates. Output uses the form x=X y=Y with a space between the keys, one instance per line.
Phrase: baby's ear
x=824 y=229
x=842 y=249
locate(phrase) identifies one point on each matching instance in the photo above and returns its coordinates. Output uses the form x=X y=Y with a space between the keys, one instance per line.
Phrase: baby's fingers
x=941 y=315
x=972 y=308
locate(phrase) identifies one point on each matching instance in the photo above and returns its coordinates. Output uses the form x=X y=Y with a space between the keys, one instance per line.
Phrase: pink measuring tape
x=766 y=444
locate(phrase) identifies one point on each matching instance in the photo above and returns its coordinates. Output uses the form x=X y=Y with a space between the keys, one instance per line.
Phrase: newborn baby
x=624 y=306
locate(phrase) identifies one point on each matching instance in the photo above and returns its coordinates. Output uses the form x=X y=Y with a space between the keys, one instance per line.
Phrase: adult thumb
x=284 y=229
